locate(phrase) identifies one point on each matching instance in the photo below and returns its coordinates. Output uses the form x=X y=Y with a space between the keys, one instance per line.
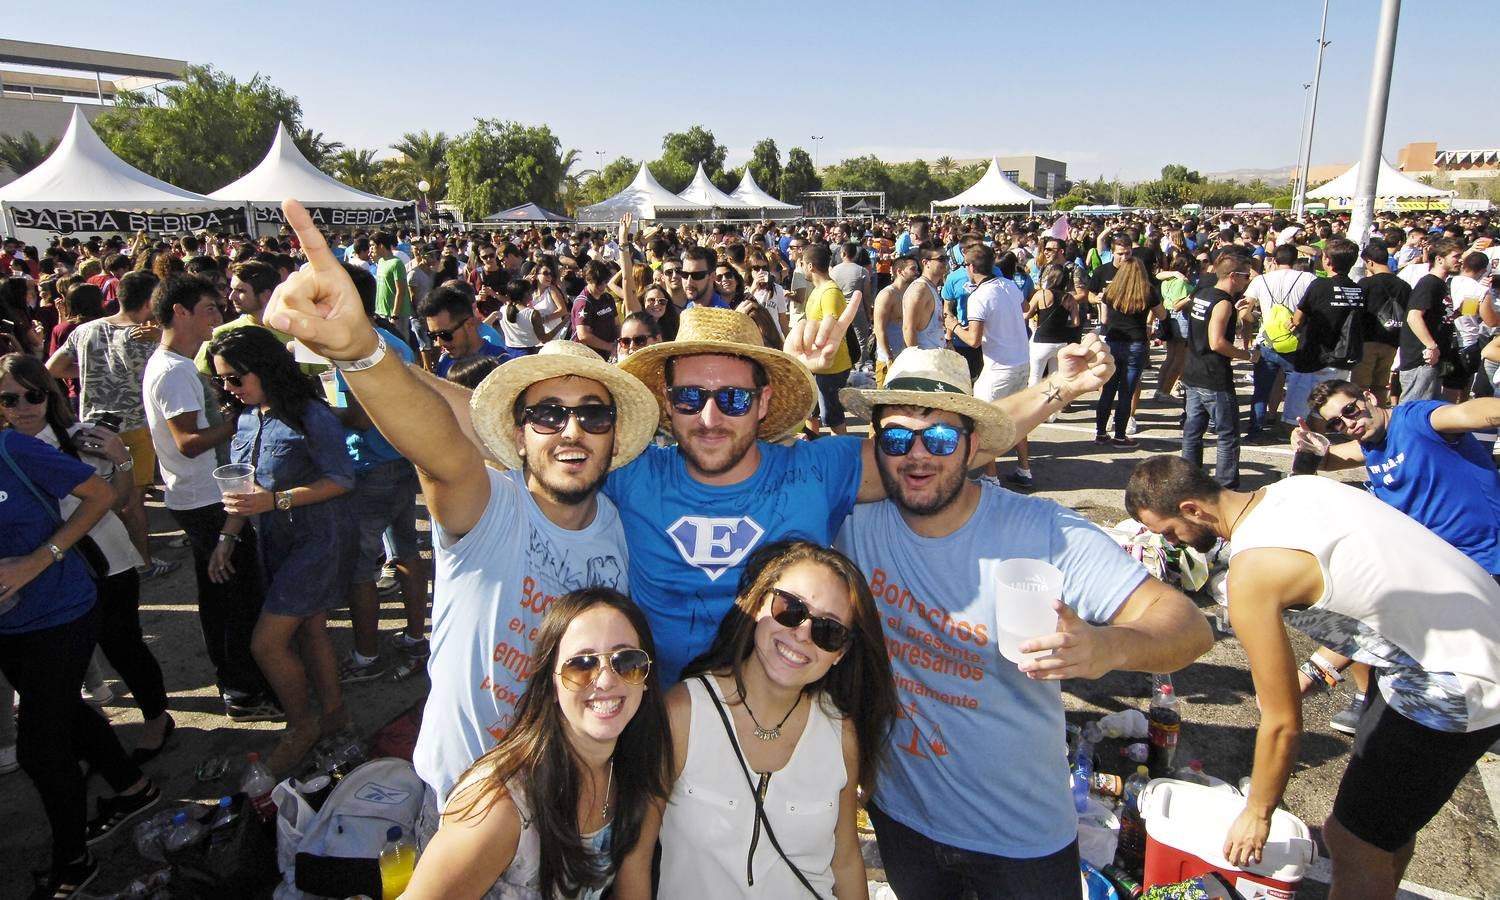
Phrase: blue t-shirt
x=962 y=702
x=63 y=591
x=1446 y=482
x=369 y=448
x=489 y=335
x=715 y=300
x=445 y=362
x=904 y=243
x=689 y=540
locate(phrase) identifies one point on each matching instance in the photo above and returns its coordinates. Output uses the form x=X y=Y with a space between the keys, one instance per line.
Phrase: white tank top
x=930 y=336
x=519 y=333
x=1396 y=596
x=521 y=880
x=707 y=829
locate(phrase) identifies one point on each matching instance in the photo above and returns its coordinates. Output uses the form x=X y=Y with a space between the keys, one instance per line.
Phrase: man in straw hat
x=505 y=543
x=946 y=818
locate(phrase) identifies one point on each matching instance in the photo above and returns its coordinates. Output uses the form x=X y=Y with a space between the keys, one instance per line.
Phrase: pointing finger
x=314 y=246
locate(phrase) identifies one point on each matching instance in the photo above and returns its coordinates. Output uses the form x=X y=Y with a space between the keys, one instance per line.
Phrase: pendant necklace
x=770 y=734
x=604 y=807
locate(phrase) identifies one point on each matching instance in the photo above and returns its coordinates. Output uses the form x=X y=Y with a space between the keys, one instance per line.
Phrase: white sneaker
x=1131 y=427
x=99 y=695
x=8 y=762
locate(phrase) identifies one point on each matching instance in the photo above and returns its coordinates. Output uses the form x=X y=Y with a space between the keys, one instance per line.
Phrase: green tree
x=212 y=129
x=1175 y=172
x=913 y=187
x=682 y=152
x=423 y=158
x=799 y=176
x=611 y=180
x=765 y=166
x=315 y=147
x=945 y=165
x=23 y=152
x=498 y=165
x=357 y=168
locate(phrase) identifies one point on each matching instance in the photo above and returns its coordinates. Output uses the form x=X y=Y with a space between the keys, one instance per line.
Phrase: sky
x=1110 y=89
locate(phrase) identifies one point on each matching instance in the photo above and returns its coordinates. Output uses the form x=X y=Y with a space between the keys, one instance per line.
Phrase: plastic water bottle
x=257 y=785
x=1193 y=774
x=1132 y=847
x=186 y=832
x=1083 y=771
x=397 y=860
x=221 y=824
x=1165 y=723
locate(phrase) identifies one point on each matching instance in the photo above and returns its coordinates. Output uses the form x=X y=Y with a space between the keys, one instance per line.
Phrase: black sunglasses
x=447 y=334
x=633 y=342
x=631 y=665
x=731 y=401
x=790 y=611
x=666 y=271
x=31 y=395
x=550 y=418
x=696 y=276
x=231 y=380
x=1351 y=410
x=940 y=440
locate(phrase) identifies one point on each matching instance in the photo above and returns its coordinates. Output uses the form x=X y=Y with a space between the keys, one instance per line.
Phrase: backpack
x=1390 y=315
x=335 y=851
x=1350 y=346
x=1278 y=330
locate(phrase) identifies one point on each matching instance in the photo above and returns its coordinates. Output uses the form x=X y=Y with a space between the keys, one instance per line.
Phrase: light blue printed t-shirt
x=978 y=757
x=689 y=540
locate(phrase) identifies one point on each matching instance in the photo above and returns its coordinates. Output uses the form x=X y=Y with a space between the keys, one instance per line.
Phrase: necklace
x=604 y=807
x=770 y=734
x=1253 y=494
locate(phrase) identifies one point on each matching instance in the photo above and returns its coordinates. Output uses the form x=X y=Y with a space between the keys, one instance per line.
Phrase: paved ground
x=1459 y=853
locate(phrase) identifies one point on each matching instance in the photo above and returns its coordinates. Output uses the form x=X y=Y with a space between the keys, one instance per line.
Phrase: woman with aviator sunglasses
x=774 y=730
x=567 y=804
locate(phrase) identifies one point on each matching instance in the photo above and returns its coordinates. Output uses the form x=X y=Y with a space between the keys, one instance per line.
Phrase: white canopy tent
x=705 y=193
x=285 y=172
x=83 y=188
x=1390 y=186
x=750 y=194
x=993 y=189
x=646 y=199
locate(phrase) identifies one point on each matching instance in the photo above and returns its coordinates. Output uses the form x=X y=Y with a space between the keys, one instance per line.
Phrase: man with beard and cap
x=946 y=819
x=504 y=543
x=1368 y=582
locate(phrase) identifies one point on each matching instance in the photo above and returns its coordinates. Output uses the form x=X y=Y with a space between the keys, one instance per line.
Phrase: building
x=1424 y=158
x=40 y=96
x=1046 y=177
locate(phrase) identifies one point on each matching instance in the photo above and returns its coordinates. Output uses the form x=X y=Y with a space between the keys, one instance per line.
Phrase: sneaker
x=406 y=667
x=1101 y=439
x=67 y=880
x=156 y=569
x=116 y=812
x=1124 y=442
x=1024 y=479
x=1131 y=427
x=99 y=695
x=387 y=583
x=418 y=648
x=182 y=542
x=351 y=671
x=8 y=763
x=261 y=710
x=1348 y=718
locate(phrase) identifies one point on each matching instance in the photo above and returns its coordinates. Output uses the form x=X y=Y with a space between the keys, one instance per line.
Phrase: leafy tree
x=945 y=165
x=1175 y=172
x=609 y=181
x=23 y=152
x=913 y=187
x=318 y=149
x=498 y=165
x=212 y=129
x=423 y=158
x=682 y=152
x=357 y=168
x=799 y=176
x=765 y=166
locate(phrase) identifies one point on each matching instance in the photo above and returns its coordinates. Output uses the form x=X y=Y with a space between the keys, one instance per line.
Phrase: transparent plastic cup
x=1024 y=592
x=235 y=478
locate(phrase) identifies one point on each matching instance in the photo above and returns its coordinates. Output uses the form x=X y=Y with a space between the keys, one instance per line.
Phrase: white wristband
x=359 y=365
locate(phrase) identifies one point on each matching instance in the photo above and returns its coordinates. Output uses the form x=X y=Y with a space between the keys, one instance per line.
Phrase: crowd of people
x=683 y=626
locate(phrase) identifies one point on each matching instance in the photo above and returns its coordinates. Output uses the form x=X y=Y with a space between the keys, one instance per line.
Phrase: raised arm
x=1471 y=415
x=627 y=266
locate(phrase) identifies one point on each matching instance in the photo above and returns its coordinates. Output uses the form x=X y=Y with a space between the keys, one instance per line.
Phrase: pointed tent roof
x=1389 y=184
x=702 y=190
x=750 y=194
x=82 y=173
x=285 y=172
x=993 y=189
x=526 y=212
x=645 y=198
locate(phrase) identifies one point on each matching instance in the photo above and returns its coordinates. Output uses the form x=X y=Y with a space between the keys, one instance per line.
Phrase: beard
x=567 y=490
x=933 y=499
x=719 y=460
x=1203 y=541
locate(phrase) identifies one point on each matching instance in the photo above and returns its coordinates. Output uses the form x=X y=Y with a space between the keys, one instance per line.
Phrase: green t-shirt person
x=390 y=281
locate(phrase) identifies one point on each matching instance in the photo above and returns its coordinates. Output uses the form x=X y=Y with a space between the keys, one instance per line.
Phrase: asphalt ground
x=1458 y=854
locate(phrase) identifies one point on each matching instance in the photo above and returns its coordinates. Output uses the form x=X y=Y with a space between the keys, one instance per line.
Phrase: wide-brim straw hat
x=493 y=405
x=726 y=332
x=935 y=379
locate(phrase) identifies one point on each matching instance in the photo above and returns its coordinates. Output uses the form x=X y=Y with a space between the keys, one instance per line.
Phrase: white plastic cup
x=235 y=478
x=1024 y=592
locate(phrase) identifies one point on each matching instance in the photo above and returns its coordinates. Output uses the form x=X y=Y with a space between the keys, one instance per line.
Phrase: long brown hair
x=1130 y=292
x=535 y=755
x=860 y=686
x=31 y=373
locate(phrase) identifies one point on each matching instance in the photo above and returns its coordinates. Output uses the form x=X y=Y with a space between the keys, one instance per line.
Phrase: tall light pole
x=817 y=140
x=599 y=164
x=1305 y=160
x=422 y=188
x=1297 y=169
x=1380 y=94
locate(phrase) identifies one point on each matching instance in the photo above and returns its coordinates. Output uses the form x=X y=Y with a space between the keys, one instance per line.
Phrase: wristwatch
x=284 y=501
x=125 y=466
x=57 y=554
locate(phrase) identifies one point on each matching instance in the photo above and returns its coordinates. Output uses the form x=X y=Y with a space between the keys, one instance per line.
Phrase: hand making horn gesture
x=319 y=305
x=816 y=343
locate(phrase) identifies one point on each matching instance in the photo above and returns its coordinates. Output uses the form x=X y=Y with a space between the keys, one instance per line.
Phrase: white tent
x=750 y=194
x=1390 y=184
x=83 y=188
x=994 y=189
x=645 y=198
x=704 y=192
x=285 y=172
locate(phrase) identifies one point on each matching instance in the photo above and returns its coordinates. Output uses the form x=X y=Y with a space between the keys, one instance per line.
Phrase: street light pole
x=1297 y=186
x=817 y=140
x=1305 y=161
x=1380 y=94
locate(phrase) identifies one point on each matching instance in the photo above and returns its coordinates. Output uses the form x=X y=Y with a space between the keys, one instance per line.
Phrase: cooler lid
x=1194 y=818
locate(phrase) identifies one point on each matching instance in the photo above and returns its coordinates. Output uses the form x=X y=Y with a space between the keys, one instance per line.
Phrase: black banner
x=70 y=221
x=343 y=217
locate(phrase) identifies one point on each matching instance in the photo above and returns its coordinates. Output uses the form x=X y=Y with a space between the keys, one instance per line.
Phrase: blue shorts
x=830 y=410
x=385 y=499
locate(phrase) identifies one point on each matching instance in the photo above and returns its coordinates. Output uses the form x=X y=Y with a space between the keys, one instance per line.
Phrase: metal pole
x=1297 y=186
x=1305 y=162
x=1380 y=94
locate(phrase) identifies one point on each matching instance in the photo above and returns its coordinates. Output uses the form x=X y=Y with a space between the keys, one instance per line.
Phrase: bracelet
x=359 y=365
x=1322 y=677
x=226 y=536
x=125 y=466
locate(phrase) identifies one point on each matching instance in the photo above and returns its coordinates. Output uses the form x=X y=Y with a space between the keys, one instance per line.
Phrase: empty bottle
x=186 y=832
x=1193 y=774
x=1137 y=752
x=397 y=860
x=256 y=785
x=222 y=824
x=1132 y=847
x=1165 y=722
x=1083 y=771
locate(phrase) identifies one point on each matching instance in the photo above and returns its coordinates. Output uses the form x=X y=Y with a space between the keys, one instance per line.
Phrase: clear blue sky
x=1110 y=89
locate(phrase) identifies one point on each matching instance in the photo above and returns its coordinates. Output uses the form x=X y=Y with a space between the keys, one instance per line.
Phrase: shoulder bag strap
x=760 y=810
x=47 y=503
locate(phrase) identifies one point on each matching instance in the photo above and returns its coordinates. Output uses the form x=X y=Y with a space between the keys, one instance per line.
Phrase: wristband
x=226 y=536
x=359 y=365
x=125 y=466
x=1323 y=678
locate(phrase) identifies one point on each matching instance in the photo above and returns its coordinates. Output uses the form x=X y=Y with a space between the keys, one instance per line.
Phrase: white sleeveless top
x=519 y=333
x=930 y=336
x=1396 y=596
x=709 y=822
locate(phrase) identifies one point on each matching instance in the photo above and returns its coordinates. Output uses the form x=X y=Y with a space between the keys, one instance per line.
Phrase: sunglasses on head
x=32 y=396
x=447 y=334
x=550 y=418
x=1351 y=410
x=630 y=665
x=940 y=440
x=790 y=611
x=231 y=380
x=700 y=274
x=731 y=401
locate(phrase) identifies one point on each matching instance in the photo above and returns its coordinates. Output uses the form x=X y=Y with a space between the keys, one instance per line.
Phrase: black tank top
x=1054 y=325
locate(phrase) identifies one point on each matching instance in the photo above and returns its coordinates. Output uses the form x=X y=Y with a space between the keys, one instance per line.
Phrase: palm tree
x=424 y=158
x=945 y=165
x=357 y=168
x=571 y=191
x=317 y=148
x=24 y=152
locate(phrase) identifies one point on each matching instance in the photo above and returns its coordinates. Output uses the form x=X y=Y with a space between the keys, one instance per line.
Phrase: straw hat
x=935 y=379
x=493 y=405
x=726 y=332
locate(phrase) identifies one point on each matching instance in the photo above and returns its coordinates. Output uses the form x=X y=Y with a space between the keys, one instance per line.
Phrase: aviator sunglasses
x=790 y=611
x=631 y=665
x=731 y=401
x=550 y=418
x=940 y=440
x=231 y=380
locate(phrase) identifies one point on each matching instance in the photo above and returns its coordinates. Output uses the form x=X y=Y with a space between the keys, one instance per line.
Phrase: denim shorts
x=385 y=496
x=830 y=410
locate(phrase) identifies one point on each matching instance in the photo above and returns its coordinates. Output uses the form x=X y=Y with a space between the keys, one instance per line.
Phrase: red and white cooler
x=1186 y=825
